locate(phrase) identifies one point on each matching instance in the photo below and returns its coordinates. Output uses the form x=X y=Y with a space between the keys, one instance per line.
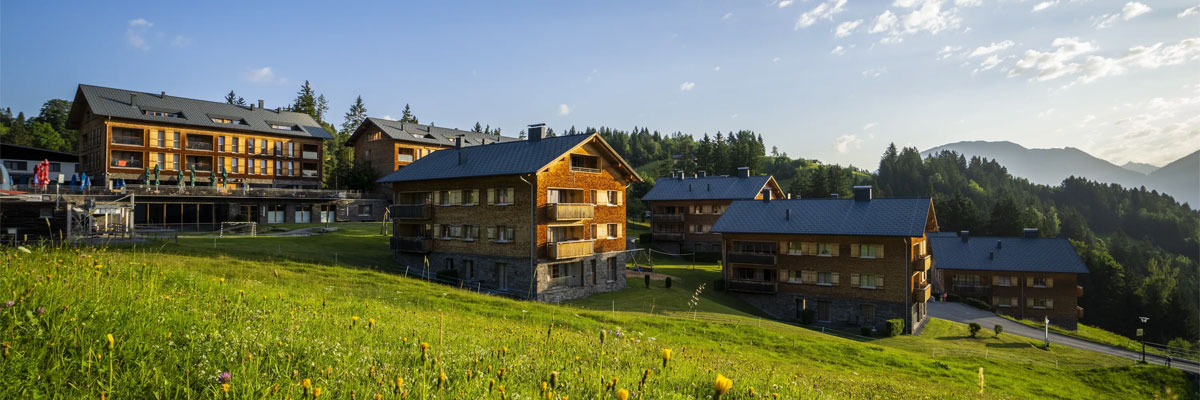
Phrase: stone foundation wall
x=843 y=312
x=483 y=272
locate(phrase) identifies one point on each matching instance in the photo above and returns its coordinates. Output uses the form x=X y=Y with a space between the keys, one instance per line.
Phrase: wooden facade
x=1020 y=294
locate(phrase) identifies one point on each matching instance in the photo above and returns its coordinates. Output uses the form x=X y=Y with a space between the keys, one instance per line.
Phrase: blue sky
x=835 y=80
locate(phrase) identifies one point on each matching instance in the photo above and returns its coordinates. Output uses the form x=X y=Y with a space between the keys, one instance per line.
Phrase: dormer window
x=284 y=127
x=168 y=114
x=227 y=120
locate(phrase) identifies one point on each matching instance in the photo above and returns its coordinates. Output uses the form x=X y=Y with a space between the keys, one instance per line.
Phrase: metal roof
x=15 y=152
x=492 y=159
x=877 y=217
x=425 y=134
x=707 y=188
x=1017 y=254
x=129 y=104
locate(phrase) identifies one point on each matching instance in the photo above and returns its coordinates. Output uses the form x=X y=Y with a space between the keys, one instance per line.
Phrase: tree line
x=48 y=130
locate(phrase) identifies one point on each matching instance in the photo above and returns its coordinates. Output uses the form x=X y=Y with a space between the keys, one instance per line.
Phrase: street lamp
x=1140 y=333
x=1047 y=322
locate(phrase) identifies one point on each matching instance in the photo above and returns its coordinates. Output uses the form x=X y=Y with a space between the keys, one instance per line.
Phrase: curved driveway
x=963 y=313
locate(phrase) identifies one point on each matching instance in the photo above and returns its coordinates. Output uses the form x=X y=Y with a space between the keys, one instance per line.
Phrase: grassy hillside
x=181 y=315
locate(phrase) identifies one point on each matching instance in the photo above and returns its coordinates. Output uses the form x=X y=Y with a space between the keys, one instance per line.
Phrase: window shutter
x=491 y=196
x=1029 y=281
x=491 y=233
x=995 y=281
x=602 y=197
x=836 y=249
x=1049 y=282
x=437 y=231
x=594 y=198
x=854 y=250
x=620 y=197
x=878 y=280
x=834 y=278
x=601 y=231
x=620 y=230
x=1050 y=304
x=512 y=196
x=1014 y=281
x=437 y=198
x=853 y=280
x=879 y=251
x=996 y=300
x=783 y=247
x=783 y=274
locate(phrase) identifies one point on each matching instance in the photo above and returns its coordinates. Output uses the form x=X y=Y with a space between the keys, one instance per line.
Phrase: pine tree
x=231 y=98
x=408 y=115
x=19 y=133
x=478 y=128
x=354 y=117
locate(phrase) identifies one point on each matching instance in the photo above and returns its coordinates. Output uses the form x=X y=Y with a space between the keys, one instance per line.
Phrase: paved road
x=963 y=313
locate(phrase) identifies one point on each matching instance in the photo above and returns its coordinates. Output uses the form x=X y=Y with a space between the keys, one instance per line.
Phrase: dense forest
x=1141 y=246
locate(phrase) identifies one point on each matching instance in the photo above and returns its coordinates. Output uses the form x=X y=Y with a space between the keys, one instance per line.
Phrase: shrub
x=974 y=327
x=668 y=282
x=940 y=364
x=895 y=327
x=447 y=275
x=719 y=285
x=807 y=316
x=999 y=329
x=865 y=331
x=647 y=281
x=978 y=304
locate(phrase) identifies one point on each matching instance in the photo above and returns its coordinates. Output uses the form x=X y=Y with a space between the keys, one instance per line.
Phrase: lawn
x=1094 y=334
x=182 y=315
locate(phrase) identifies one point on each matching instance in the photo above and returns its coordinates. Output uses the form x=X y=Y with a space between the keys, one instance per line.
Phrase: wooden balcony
x=410 y=211
x=569 y=211
x=922 y=293
x=571 y=249
x=667 y=217
x=668 y=236
x=750 y=258
x=411 y=244
x=750 y=286
x=311 y=155
x=922 y=263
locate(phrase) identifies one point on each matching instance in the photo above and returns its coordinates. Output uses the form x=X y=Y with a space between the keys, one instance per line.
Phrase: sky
x=834 y=80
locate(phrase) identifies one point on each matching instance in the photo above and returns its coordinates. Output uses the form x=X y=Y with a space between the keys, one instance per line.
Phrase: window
x=502 y=234
x=502 y=196
x=278 y=149
x=228 y=120
x=756 y=247
x=470 y=232
x=594 y=271
x=16 y=165
x=174 y=161
x=175 y=139
x=291 y=148
x=965 y=280
x=456 y=231
x=825 y=278
x=823 y=313
x=262 y=167
x=449 y=264
x=364 y=210
x=167 y=114
x=161 y=160
x=868 y=250
x=770 y=275
x=502 y=275
x=445 y=198
x=249 y=146
x=250 y=166
x=468 y=197
x=612 y=269
x=161 y=139
x=278 y=170
x=614 y=198
x=374 y=136
x=558 y=271
x=290 y=170
x=284 y=127
x=868 y=281
x=233 y=143
x=1004 y=301
x=1046 y=304
x=826 y=249
x=745 y=273
x=220 y=143
x=233 y=162
x=585 y=163
x=1039 y=282
x=55 y=167
x=717 y=210
x=614 y=231
x=470 y=266
x=795 y=248
x=1003 y=280
x=263 y=149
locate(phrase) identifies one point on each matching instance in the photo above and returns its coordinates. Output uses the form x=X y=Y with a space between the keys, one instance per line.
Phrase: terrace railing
x=750 y=258
x=569 y=211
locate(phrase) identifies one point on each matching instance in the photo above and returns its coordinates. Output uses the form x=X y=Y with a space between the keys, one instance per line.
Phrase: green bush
x=999 y=329
x=668 y=282
x=895 y=327
x=865 y=331
x=974 y=327
x=978 y=304
x=807 y=316
x=953 y=297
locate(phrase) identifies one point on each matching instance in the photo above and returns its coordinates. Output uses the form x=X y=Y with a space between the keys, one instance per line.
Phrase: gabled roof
x=119 y=103
x=15 y=152
x=518 y=157
x=707 y=188
x=424 y=134
x=877 y=217
x=1017 y=254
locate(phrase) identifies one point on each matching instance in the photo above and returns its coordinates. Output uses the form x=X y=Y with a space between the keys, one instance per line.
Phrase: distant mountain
x=1143 y=168
x=1180 y=179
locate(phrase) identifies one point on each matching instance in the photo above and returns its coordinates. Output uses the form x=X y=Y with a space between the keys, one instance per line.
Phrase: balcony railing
x=309 y=173
x=312 y=155
x=922 y=263
x=199 y=167
x=127 y=163
x=410 y=211
x=668 y=236
x=404 y=157
x=922 y=293
x=667 y=217
x=750 y=286
x=571 y=249
x=412 y=244
x=971 y=289
x=569 y=211
x=199 y=145
x=750 y=258
x=129 y=140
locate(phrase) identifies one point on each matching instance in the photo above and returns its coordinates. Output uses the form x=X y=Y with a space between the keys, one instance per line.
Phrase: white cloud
x=563 y=109
x=734 y=116
x=388 y=116
x=870 y=125
x=825 y=10
x=262 y=75
x=1053 y=64
x=1044 y=5
x=1046 y=113
x=914 y=16
x=837 y=51
x=727 y=16
x=1064 y=60
x=991 y=62
x=991 y=48
x=775 y=60
x=846 y=28
x=785 y=3
x=1130 y=11
x=686 y=86
x=968 y=3
x=717 y=68
x=1087 y=119
x=874 y=72
x=180 y=41
x=1157 y=130
x=884 y=22
x=843 y=143
x=947 y=52
x=1189 y=12
x=135 y=33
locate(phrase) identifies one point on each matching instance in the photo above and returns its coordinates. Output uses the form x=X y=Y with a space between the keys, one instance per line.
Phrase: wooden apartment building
x=1026 y=277
x=390 y=145
x=542 y=218
x=854 y=262
x=683 y=209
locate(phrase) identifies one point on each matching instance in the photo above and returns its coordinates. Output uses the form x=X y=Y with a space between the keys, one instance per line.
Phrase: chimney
x=458 y=142
x=789 y=196
x=674 y=175
x=133 y=99
x=260 y=103
x=1031 y=233
x=694 y=176
x=743 y=172
x=682 y=175
x=536 y=132
x=164 y=95
x=862 y=193
x=999 y=245
x=702 y=174
x=964 y=235
x=833 y=195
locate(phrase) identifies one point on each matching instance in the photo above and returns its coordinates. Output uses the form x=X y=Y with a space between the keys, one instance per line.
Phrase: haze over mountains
x=1180 y=178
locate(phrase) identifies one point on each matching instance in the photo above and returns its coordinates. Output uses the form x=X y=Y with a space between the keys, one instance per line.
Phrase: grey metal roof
x=1017 y=254
x=425 y=134
x=493 y=159
x=877 y=217
x=707 y=188
x=119 y=103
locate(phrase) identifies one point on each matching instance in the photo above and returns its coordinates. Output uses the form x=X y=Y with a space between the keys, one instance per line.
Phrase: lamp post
x=1046 y=320
x=1140 y=333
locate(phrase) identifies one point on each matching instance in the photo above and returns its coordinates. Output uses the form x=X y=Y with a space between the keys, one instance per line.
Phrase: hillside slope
x=1181 y=176
x=181 y=320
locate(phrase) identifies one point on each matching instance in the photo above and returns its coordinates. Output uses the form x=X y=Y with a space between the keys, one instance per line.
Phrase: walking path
x=963 y=313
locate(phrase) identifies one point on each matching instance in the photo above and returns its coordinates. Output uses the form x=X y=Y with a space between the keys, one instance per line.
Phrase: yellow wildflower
x=316 y=392
x=111 y=341
x=225 y=388
x=622 y=394
x=666 y=356
x=722 y=385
